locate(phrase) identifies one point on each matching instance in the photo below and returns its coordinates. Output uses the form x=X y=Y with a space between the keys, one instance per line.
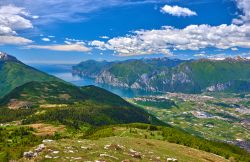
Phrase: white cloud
x=35 y=17
x=46 y=39
x=13 y=40
x=193 y=37
x=244 y=7
x=74 y=41
x=67 y=42
x=5 y=30
x=13 y=19
x=178 y=11
x=65 y=47
x=98 y=44
x=70 y=11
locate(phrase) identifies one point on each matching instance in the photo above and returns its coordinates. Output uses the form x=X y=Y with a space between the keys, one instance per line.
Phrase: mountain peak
x=5 y=57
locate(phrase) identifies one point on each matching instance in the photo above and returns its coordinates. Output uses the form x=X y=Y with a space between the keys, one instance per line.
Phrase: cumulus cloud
x=5 y=30
x=98 y=44
x=178 y=11
x=13 y=19
x=193 y=37
x=65 y=47
x=244 y=7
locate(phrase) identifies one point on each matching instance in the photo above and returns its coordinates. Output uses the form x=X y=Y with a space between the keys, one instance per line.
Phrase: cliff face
x=187 y=76
x=158 y=80
x=107 y=78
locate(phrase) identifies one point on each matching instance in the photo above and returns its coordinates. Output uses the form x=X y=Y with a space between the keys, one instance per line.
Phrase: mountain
x=14 y=73
x=6 y=57
x=23 y=87
x=90 y=68
x=38 y=109
x=73 y=106
x=166 y=75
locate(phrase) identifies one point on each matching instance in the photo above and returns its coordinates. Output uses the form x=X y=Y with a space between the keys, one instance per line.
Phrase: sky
x=68 y=32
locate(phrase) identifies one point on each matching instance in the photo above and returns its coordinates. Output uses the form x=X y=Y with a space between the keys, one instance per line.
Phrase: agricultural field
x=222 y=117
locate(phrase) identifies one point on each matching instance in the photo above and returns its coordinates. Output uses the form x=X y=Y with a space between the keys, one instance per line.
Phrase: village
x=205 y=115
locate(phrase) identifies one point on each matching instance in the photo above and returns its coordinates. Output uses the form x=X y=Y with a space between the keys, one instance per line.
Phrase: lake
x=64 y=72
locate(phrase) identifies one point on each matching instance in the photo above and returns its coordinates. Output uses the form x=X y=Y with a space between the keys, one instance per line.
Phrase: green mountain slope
x=134 y=142
x=67 y=104
x=14 y=73
x=194 y=76
x=231 y=72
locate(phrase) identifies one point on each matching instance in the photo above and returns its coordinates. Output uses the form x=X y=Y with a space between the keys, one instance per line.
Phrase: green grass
x=169 y=134
x=150 y=141
x=14 y=140
x=149 y=149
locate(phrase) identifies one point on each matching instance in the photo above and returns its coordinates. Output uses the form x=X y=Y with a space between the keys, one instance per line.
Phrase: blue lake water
x=64 y=72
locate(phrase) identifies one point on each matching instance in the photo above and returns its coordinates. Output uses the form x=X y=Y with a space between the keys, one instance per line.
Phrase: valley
x=124 y=81
x=49 y=119
x=220 y=116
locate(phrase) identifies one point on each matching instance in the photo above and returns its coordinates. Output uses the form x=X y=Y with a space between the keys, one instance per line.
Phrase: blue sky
x=62 y=31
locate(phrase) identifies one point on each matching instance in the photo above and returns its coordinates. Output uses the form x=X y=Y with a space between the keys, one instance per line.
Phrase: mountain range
x=35 y=106
x=171 y=75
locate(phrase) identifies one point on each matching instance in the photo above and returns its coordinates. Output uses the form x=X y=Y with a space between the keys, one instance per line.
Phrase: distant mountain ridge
x=167 y=75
